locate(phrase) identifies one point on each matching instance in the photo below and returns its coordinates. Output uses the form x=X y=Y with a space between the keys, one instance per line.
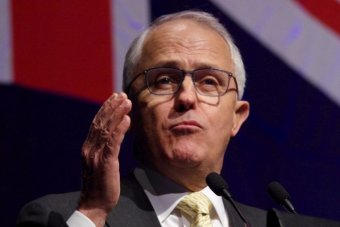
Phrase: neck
x=193 y=178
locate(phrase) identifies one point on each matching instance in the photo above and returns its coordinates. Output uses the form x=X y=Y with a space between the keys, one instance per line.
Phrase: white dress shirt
x=164 y=195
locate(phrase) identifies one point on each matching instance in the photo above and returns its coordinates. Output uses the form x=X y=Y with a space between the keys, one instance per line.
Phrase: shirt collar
x=164 y=194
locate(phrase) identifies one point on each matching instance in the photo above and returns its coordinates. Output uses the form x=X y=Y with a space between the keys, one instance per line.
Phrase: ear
x=241 y=115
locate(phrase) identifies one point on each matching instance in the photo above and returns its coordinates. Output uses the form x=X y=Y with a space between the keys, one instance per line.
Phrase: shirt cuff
x=78 y=219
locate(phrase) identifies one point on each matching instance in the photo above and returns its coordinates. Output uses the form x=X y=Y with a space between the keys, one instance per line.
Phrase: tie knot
x=194 y=204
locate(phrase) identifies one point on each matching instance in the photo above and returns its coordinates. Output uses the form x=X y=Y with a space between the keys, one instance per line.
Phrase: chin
x=186 y=158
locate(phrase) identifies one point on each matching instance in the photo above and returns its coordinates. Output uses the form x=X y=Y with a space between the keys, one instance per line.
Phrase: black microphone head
x=278 y=192
x=216 y=183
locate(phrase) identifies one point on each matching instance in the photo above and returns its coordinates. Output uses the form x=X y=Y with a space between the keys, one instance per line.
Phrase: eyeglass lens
x=209 y=82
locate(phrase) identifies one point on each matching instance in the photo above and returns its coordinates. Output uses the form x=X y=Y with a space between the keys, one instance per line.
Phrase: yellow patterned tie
x=197 y=206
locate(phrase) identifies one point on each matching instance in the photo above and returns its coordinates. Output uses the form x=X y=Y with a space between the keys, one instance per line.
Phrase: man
x=185 y=80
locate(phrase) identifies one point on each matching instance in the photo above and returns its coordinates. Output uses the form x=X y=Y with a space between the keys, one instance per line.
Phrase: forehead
x=188 y=42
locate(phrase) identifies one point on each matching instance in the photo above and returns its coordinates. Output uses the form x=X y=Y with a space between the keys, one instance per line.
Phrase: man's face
x=186 y=130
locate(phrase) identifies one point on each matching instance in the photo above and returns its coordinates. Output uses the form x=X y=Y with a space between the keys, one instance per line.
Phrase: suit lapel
x=133 y=208
x=234 y=218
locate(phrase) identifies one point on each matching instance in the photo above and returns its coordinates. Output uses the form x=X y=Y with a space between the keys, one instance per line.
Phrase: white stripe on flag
x=300 y=40
x=130 y=18
x=6 y=75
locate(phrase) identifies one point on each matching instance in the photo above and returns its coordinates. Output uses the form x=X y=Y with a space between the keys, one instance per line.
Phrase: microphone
x=280 y=196
x=220 y=187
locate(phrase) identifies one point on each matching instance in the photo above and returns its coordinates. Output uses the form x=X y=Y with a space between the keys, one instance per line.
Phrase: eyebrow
x=176 y=64
x=170 y=64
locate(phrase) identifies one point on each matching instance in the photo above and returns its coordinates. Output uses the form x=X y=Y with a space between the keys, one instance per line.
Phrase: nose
x=186 y=96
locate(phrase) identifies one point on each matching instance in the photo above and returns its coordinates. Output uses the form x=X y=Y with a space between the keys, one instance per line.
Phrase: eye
x=208 y=81
x=163 y=79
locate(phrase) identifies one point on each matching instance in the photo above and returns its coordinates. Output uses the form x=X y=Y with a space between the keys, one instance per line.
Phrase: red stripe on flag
x=326 y=11
x=63 y=46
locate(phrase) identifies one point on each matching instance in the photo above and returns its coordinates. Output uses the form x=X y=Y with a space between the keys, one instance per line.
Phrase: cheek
x=154 y=116
x=154 y=135
x=222 y=123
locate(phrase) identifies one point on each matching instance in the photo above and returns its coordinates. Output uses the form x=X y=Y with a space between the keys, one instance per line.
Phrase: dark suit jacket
x=133 y=209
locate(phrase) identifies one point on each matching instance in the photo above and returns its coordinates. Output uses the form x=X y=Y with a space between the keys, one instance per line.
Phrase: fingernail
x=122 y=94
x=117 y=96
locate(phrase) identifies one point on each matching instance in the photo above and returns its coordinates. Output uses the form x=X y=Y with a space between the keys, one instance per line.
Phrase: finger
x=123 y=109
x=99 y=137
x=110 y=149
x=112 y=146
x=105 y=112
x=99 y=130
x=102 y=111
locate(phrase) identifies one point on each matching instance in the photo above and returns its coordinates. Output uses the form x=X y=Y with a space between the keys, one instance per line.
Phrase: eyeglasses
x=167 y=81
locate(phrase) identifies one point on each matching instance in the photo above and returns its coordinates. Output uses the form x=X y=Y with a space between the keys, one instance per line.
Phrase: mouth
x=186 y=126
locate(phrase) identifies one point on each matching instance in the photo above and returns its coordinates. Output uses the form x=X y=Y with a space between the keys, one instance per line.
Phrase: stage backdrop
x=60 y=59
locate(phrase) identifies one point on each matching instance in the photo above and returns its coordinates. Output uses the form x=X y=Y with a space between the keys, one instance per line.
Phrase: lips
x=190 y=124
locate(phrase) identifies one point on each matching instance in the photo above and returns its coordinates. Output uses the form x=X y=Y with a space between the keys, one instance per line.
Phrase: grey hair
x=135 y=51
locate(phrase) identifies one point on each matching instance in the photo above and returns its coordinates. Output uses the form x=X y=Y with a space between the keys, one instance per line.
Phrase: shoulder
x=132 y=204
x=253 y=212
x=55 y=207
x=61 y=206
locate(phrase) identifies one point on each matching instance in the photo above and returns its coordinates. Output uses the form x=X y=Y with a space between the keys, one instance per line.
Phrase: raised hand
x=101 y=178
